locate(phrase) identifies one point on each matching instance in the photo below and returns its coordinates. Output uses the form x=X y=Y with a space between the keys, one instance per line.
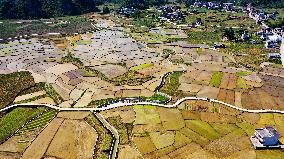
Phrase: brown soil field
x=218 y=118
x=185 y=150
x=73 y=114
x=74 y=139
x=273 y=85
x=9 y=155
x=18 y=143
x=203 y=77
x=227 y=96
x=147 y=128
x=144 y=144
x=41 y=143
x=187 y=114
x=260 y=98
x=161 y=153
x=189 y=77
x=208 y=92
x=225 y=81
x=250 y=100
x=230 y=97
x=171 y=119
x=266 y=99
x=222 y=95
x=232 y=81
x=128 y=152
x=127 y=114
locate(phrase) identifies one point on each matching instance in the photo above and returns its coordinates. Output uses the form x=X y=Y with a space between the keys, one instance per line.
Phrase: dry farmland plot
x=171 y=119
x=220 y=134
x=74 y=139
x=144 y=144
x=146 y=115
x=162 y=140
x=128 y=152
x=41 y=143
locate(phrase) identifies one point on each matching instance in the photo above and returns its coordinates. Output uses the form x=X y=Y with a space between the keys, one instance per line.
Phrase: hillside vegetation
x=30 y=9
x=12 y=84
x=33 y=9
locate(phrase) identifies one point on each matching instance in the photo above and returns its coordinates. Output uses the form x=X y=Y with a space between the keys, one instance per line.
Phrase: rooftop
x=267 y=131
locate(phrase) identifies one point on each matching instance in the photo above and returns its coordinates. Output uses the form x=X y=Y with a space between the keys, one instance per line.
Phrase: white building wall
x=282 y=51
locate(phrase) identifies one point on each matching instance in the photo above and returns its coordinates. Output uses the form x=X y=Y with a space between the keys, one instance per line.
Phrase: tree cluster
x=31 y=9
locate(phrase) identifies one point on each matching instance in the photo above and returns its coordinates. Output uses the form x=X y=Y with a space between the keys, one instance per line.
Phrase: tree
x=6 y=9
x=106 y=10
x=229 y=33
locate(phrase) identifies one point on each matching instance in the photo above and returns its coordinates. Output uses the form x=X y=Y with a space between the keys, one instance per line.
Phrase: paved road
x=116 y=105
x=114 y=146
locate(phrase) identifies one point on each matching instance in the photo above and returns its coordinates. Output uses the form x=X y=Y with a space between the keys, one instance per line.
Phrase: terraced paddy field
x=196 y=129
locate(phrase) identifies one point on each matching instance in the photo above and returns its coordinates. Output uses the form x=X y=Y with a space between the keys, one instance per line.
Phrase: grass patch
x=172 y=84
x=103 y=145
x=199 y=51
x=241 y=83
x=266 y=119
x=158 y=97
x=50 y=92
x=6 y=51
x=202 y=128
x=141 y=67
x=247 y=127
x=223 y=128
x=195 y=137
x=84 y=42
x=124 y=129
x=71 y=59
x=15 y=119
x=131 y=78
x=146 y=114
x=216 y=79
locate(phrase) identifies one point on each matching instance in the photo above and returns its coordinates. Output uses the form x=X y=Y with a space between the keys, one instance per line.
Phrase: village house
x=274 y=56
x=245 y=36
x=270 y=44
x=266 y=137
x=171 y=14
x=127 y=11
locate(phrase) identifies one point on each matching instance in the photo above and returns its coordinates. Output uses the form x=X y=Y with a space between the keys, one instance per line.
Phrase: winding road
x=116 y=105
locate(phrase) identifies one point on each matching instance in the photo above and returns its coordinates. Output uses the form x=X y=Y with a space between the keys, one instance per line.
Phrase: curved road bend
x=116 y=105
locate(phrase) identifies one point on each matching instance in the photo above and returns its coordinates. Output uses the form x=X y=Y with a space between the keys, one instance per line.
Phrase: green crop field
x=142 y=66
x=172 y=83
x=202 y=128
x=216 y=79
x=13 y=120
x=39 y=122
